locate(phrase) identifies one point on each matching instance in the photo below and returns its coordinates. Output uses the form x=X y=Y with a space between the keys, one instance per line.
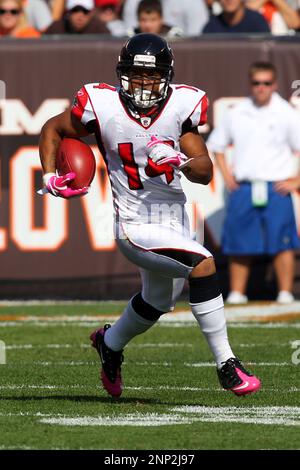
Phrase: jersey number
x=152 y=169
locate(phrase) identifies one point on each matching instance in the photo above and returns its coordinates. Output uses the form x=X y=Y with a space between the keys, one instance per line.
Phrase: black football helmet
x=141 y=55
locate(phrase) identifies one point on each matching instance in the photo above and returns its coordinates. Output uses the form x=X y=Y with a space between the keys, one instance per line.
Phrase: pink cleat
x=233 y=376
x=111 y=361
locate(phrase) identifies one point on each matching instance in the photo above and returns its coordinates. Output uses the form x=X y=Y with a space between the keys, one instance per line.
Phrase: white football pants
x=165 y=255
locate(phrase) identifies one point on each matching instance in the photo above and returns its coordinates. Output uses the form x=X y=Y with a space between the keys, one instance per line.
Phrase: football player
x=146 y=129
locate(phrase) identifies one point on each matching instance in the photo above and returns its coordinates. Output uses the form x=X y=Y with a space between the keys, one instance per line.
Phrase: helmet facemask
x=144 y=87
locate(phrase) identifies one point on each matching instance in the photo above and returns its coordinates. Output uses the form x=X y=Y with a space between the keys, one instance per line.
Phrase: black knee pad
x=203 y=289
x=144 y=309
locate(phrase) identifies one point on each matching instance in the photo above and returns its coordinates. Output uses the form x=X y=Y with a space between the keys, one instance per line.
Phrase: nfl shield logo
x=146 y=121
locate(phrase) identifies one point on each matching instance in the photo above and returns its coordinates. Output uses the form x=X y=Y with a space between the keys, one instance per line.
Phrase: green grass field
x=50 y=395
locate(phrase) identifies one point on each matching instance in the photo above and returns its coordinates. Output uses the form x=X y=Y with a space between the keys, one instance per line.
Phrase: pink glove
x=58 y=185
x=161 y=153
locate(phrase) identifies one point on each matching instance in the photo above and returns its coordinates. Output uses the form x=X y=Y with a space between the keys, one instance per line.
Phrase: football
x=75 y=155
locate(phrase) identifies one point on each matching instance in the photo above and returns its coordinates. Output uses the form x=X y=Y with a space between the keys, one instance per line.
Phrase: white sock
x=129 y=325
x=211 y=318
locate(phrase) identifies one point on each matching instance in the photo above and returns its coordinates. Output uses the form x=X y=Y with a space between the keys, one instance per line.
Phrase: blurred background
x=53 y=248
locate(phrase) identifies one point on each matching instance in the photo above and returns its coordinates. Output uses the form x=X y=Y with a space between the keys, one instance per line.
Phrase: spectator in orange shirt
x=13 y=21
x=281 y=15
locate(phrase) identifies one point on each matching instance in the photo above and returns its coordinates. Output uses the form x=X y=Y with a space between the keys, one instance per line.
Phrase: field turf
x=50 y=395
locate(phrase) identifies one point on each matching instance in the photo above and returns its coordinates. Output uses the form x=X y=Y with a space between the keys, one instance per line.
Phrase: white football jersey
x=139 y=185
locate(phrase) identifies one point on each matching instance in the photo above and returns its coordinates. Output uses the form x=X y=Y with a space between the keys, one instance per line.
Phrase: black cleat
x=111 y=361
x=233 y=376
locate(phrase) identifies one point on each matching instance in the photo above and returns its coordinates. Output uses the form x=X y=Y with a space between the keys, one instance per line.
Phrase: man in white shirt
x=264 y=130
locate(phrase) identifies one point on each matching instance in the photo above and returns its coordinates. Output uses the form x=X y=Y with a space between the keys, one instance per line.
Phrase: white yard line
x=55 y=322
x=17 y=387
x=88 y=346
x=41 y=323
x=252 y=308
x=142 y=363
x=264 y=364
x=272 y=415
x=160 y=345
x=59 y=318
x=211 y=364
x=270 y=325
x=151 y=419
x=10 y=347
x=44 y=303
x=257 y=415
x=94 y=324
x=264 y=415
x=29 y=414
x=17 y=448
x=41 y=387
x=267 y=326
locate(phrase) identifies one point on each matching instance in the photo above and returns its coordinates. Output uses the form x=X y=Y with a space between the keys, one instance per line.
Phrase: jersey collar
x=145 y=120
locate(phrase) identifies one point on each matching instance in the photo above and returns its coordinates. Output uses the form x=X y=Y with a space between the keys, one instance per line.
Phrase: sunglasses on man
x=13 y=11
x=265 y=83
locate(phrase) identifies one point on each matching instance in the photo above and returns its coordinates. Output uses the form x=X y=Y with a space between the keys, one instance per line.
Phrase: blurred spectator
x=295 y=4
x=108 y=13
x=281 y=16
x=236 y=18
x=214 y=7
x=150 y=19
x=79 y=19
x=38 y=14
x=188 y=15
x=260 y=220
x=13 y=20
x=58 y=9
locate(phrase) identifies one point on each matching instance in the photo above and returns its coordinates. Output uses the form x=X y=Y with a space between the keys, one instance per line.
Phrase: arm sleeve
x=198 y=116
x=82 y=108
x=220 y=137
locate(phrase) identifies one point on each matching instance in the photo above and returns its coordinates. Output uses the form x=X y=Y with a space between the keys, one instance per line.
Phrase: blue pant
x=250 y=230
